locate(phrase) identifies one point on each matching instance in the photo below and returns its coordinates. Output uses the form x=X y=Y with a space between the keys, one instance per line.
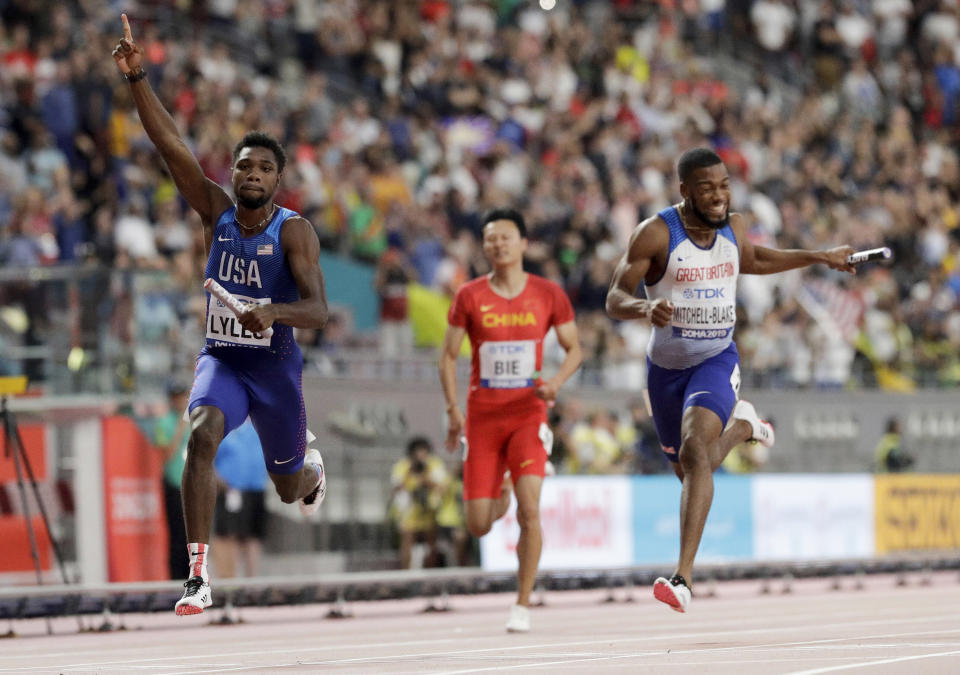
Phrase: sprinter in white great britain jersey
x=269 y=257
x=688 y=257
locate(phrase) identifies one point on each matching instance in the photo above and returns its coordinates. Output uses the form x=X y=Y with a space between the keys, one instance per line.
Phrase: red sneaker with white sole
x=673 y=591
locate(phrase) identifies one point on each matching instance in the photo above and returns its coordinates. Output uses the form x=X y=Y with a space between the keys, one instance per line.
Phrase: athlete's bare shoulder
x=297 y=221
x=298 y=232
x=738 y=223
x=649 y=238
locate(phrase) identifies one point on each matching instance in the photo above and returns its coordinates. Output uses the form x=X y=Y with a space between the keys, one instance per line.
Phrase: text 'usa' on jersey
x=255 y=270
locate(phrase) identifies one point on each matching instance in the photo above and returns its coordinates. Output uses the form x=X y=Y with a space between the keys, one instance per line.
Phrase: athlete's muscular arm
x=762 y=260
x=302 y=250
x=648 y=246
x=448 y=380
x=569 y=339
x=203 y=195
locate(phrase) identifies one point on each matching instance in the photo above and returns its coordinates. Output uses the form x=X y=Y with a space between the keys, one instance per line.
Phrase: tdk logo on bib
x=506 y=348
x=704 y=293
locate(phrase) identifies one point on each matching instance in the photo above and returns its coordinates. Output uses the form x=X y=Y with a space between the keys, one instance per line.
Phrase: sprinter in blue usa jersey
x=267 y=256
x=689 y=257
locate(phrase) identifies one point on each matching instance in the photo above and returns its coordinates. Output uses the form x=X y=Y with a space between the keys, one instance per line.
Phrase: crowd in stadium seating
x=404 y=121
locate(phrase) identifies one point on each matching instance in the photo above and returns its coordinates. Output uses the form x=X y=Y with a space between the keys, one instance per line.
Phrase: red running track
x=883 y=628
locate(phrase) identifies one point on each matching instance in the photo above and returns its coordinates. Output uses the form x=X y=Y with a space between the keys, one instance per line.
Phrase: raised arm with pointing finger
x=202 y=194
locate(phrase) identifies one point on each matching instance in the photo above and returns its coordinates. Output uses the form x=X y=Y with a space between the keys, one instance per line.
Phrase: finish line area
x=436 y=584
x=799 y=619
x=883 y=626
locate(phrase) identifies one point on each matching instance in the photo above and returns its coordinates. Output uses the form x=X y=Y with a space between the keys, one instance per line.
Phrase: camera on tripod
x=14 y=448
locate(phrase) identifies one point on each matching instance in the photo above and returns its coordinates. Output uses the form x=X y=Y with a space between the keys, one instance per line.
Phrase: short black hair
x=259 y=139
x=698 y=158
x=507 y=214
x=418 y=442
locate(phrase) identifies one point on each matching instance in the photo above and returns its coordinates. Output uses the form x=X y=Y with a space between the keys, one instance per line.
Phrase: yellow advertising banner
x=917 y=512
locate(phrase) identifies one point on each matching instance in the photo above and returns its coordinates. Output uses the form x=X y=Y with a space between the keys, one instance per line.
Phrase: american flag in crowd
x=827 y=301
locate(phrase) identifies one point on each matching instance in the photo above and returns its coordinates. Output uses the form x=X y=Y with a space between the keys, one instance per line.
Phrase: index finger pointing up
x=126 y=28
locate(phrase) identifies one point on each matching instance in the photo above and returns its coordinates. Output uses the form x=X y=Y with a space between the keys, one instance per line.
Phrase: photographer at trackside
x=419 y=481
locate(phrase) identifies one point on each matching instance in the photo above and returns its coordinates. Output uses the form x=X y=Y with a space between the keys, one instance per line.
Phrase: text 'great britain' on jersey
x=701 y=284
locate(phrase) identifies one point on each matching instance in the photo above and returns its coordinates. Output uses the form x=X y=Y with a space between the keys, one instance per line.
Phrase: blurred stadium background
x=403 y=122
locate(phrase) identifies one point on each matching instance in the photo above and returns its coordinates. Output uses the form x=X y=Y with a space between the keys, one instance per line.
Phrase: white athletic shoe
x=310 y=503
x=673 y=591
x=762 y=430
x=519 y=621
x=196 y=597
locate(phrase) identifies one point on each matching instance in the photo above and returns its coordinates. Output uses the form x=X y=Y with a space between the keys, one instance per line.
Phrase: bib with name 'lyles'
x=255 y=271
x=702 y=285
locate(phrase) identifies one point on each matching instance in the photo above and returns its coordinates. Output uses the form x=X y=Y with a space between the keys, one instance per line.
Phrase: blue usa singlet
x=255 y=270
x=243 y=373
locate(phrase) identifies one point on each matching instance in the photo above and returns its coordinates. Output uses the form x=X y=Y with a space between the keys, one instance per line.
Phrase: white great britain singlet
x=702 y=285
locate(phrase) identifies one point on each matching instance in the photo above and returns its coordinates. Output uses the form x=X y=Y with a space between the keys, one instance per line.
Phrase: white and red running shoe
x=196 y=597
x=762 y=430
x=673 y=591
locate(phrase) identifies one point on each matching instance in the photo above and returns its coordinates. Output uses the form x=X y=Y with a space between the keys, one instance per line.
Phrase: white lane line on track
x=461 y=653
x=261 y=652
x=542 y=664
x=565 y=644
x=690 y=622
x=868 y=664
x=827 y=669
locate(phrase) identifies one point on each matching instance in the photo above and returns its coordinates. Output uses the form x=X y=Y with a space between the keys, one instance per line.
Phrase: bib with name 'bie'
x=702 y=285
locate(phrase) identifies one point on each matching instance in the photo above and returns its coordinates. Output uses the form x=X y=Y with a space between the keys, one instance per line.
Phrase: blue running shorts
x=712 y=384
x=269 y=391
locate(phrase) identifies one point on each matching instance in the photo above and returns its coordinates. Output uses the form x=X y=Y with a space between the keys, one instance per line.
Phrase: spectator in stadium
x=420 y=482
x=890 y=455
x=688 y=257
x=240 y=514
x=602 y=445
x=392 y=275
x=170 y=436
x=588 y=130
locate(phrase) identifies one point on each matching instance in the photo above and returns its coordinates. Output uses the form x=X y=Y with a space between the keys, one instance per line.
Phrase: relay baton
x=870 y=255
x=226 y=297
